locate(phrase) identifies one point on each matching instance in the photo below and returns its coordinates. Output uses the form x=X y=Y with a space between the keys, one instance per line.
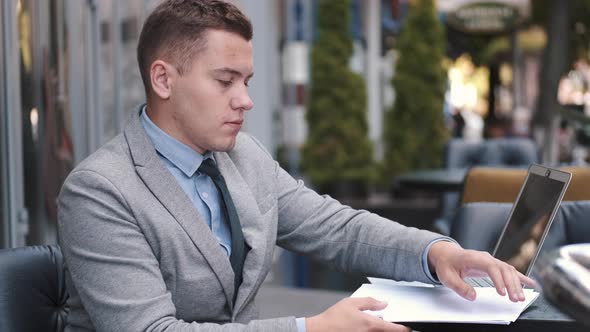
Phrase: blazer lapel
x=164 y=187
x=256 y=232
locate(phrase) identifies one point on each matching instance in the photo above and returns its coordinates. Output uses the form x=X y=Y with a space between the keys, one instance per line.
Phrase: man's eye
x=225 y=83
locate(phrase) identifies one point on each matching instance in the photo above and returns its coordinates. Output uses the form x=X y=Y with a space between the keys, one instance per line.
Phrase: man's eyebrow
x=226 y=70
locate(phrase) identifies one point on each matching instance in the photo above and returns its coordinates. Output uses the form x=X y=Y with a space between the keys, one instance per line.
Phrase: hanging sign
x=485 y=17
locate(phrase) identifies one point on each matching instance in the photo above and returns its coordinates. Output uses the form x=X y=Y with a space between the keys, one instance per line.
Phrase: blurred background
x=353 y=96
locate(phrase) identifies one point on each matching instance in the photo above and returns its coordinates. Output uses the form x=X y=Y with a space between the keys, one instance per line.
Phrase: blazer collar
x=163 y=185
x=257 y=233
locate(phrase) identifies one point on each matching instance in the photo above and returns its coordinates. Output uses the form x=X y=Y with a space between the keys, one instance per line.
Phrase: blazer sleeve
x=114 y=269
x=347 y=239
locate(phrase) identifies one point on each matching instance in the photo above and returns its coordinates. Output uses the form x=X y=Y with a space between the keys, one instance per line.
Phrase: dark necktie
x=238 y=247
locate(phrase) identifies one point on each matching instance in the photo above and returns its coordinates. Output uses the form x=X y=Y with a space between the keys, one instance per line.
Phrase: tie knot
x=208 y=167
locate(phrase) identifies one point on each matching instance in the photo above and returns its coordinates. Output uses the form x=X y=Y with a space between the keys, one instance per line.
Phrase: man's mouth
x=235 y=124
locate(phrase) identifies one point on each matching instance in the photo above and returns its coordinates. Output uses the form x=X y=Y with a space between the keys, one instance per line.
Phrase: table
x=440 y=179
x=277 y=301
x=445 y=183
x=539 y=317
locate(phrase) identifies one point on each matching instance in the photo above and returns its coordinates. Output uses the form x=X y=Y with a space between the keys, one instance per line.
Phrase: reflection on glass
x=34 y=117
x=527 y=224
x=47 y=144
x=29 y=98
x=523 y=256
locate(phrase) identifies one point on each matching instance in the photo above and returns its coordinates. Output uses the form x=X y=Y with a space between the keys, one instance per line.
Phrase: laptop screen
x=529 y=221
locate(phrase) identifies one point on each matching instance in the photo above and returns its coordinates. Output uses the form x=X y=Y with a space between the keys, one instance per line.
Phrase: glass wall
x=70 y=81
x=121 y=88
x=29 y=103
x=13 y=214
x=107 y=72
x=48 y=149
x=130 y=21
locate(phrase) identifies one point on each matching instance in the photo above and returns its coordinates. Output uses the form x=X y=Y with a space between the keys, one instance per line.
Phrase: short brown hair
x=174 y=32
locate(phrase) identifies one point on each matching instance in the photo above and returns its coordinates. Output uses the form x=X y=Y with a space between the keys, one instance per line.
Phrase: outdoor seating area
x=244 y=165
x=501 y=185
x=465 y=154
x=484 y=171
x=478 y=225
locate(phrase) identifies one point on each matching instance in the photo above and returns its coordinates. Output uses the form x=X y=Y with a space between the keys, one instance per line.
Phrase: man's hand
x=452 y=264
x=347 y=315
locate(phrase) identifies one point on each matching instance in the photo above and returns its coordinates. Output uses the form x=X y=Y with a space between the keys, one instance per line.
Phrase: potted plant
x=338 y=155
x=414 y=130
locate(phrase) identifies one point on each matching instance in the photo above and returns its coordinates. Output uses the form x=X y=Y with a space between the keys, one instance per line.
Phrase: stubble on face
x=210 y=100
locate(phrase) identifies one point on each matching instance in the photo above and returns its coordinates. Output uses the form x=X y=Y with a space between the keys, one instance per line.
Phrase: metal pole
x=117 y=69
x=373 y=59
x=95 y=119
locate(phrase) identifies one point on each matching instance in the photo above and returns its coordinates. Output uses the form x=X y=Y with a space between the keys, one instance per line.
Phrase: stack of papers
x=414 y=303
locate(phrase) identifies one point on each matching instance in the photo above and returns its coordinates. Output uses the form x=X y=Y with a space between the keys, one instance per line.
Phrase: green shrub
x=414 y=131
x=337 y=148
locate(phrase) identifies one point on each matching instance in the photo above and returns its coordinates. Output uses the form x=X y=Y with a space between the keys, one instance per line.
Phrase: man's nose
x=242 y=101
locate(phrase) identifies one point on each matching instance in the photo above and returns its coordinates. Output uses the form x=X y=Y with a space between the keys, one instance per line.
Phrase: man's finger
x=499 y=280
x=367 y=303
x=528 y=281
x=512 y=284
x=454 y=282
x=379 y=324
x=390 y=327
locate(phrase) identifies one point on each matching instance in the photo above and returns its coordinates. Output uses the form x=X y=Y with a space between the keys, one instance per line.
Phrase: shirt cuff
x=300 y=324
x=432 y=277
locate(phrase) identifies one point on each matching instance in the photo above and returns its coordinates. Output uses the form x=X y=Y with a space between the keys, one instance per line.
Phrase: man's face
x=209 y=101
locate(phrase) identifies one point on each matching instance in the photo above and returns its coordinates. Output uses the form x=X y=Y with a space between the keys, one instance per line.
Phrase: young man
x=171 y=226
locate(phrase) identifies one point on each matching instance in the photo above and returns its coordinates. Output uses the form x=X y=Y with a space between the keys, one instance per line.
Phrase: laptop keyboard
x=480 y=282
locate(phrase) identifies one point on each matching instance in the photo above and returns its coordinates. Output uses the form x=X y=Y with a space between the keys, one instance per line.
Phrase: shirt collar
x=178 y=153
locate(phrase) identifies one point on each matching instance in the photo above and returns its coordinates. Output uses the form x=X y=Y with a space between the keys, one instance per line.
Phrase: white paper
x=389 y=282
x=441 y=304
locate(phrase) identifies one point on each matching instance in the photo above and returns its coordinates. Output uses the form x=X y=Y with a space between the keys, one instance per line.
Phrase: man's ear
x=161 y=76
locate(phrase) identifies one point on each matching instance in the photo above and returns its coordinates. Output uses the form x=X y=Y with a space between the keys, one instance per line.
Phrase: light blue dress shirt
x=183 y=162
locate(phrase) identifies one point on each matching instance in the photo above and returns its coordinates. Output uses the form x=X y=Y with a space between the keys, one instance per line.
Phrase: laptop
x=529 y=220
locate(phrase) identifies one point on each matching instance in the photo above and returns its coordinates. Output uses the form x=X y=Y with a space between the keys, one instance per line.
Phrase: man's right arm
x=113 y=267
x=348 y=315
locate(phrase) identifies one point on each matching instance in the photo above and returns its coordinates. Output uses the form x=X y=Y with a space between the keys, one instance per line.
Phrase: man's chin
x=226 y=146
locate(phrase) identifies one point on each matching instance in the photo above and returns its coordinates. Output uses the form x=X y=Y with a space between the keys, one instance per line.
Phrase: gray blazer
x=139 y=257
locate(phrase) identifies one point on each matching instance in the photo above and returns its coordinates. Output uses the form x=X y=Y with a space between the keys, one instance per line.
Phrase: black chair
x=460 y=153
x=510 y=152
x=478 y=225
x=32 y=289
